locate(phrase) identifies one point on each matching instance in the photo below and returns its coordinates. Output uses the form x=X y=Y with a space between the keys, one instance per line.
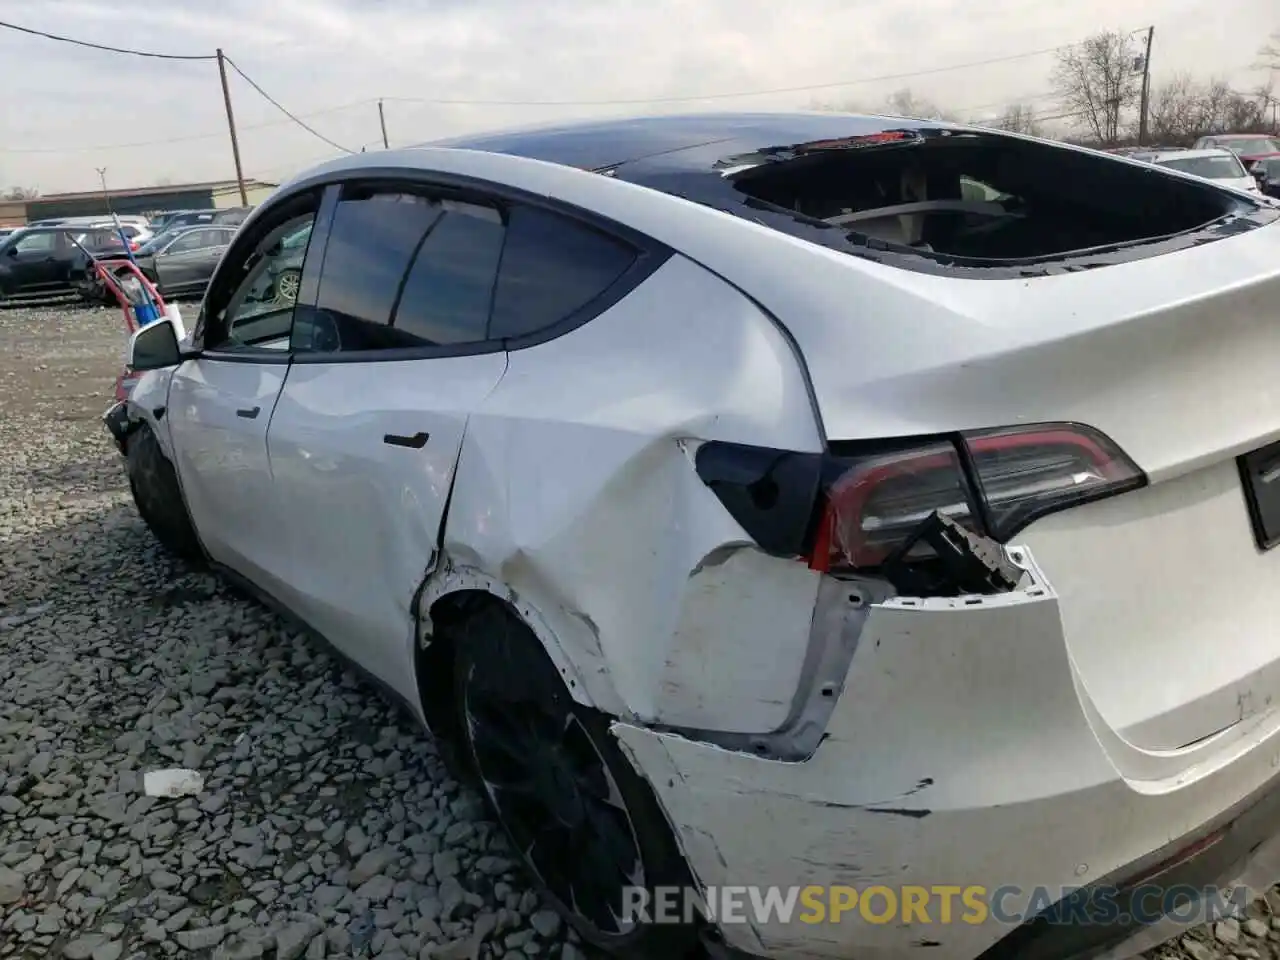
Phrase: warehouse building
x=142 y=201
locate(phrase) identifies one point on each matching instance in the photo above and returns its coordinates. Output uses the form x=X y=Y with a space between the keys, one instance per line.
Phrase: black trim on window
x=258 y=355
x=476 y=349
x=228 y=275
x=650 y=254
x=317 y=247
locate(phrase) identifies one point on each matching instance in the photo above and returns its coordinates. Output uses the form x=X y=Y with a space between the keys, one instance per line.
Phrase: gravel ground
x=327 y=826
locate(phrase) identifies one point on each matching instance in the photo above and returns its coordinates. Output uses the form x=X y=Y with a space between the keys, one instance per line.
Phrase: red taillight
x=133 y=245
x=992 y=481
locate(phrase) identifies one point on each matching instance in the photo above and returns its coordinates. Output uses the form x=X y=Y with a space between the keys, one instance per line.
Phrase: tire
x=503 y=675
x=287 y=285
x=157 y=496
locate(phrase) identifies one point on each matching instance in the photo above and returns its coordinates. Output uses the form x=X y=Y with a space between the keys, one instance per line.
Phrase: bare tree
x=904 y=103
x=1178 y=110
x=900 y=103
x=1096 y=81
x=1019 y=118
x=21 y=193
x=1269 y=55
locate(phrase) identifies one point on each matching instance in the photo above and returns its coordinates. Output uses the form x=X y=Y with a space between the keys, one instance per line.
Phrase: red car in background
x=1249 y=147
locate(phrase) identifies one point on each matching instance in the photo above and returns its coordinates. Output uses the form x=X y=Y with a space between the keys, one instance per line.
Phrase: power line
x=100 y=46
x=741 y=93
x=276 y=103
x=190 y=138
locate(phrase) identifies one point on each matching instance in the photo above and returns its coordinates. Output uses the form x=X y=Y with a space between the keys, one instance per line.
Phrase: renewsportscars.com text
x=939 y=904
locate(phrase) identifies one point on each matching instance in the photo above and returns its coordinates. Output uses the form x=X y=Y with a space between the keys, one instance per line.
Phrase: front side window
x=259 y=313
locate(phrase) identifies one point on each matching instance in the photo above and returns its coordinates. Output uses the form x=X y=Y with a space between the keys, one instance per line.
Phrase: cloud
x=315 y=55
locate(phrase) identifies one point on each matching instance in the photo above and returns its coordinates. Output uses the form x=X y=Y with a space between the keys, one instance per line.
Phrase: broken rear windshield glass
x=945 y=199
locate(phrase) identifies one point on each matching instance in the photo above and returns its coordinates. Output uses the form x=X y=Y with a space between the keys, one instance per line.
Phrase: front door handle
x=249 y=413
x=416 y=442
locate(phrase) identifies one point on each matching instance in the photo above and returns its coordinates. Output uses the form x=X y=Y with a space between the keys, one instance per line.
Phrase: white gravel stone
x=1227 y=931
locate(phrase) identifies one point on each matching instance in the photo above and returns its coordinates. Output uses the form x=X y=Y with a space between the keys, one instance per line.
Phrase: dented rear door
x=388 y=366
x=363 y=456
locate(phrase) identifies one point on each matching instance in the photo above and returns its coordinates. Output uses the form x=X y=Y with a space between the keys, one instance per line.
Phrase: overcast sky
x=69 y=110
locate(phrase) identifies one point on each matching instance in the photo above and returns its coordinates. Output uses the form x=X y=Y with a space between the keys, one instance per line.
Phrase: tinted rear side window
x=371 y=243
x=551 y=268
x=449 y=289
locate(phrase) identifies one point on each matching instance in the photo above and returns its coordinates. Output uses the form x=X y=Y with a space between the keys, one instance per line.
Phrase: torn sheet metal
x=593 y=515
x=884 y=803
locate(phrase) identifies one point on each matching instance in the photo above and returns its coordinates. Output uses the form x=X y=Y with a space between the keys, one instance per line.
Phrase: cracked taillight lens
x=993 y=482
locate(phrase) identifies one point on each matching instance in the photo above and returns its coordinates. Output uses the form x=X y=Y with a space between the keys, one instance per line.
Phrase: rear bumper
x=964 y=751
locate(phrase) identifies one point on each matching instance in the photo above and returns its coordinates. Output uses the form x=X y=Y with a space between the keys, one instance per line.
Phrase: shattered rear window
x=946 y=200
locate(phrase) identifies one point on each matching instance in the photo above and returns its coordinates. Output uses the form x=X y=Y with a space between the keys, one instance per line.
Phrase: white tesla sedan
x=773 y=500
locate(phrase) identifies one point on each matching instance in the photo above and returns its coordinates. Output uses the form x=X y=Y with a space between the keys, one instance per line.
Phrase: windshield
x=1211 y=168
x=1251 y=145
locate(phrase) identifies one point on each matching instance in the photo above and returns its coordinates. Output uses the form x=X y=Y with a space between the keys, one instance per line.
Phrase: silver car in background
x=1222 y=166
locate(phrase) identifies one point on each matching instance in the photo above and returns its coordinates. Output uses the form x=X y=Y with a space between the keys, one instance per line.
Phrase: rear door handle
x=249 y=413
x=416 y=442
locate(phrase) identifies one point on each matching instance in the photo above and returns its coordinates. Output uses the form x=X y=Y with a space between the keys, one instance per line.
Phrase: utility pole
x=382 y=119
x=231 y=125
x=106 y=195
x=1146 y=89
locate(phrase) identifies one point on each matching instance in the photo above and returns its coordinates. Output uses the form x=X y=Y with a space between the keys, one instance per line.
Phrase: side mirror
x=154 y=347
x=12 y=251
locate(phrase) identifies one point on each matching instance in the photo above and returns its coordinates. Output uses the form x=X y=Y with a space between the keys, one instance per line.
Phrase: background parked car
x=41 y=261
x=1269 y=179
x=179 y=261
x=234 y=216
x=188 y=218
x=1249 y=147
x=180 y=218
x=1220 y=165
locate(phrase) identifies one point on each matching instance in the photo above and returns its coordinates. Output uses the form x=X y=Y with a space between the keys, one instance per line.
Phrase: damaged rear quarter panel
x=577 y=490
x=901 y=791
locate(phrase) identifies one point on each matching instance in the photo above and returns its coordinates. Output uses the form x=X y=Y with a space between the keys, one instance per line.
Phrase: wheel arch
x=454 y=592
x=147 y=404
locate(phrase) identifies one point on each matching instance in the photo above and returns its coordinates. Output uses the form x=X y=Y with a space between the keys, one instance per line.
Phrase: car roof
x=1238 y=136
x=691 y=141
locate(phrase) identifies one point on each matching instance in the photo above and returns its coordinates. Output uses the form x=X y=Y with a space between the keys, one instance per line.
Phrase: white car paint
x=1186 y=161
x=555 y=538
x=1121 y=697
x=357 y=504
x=218 y=414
